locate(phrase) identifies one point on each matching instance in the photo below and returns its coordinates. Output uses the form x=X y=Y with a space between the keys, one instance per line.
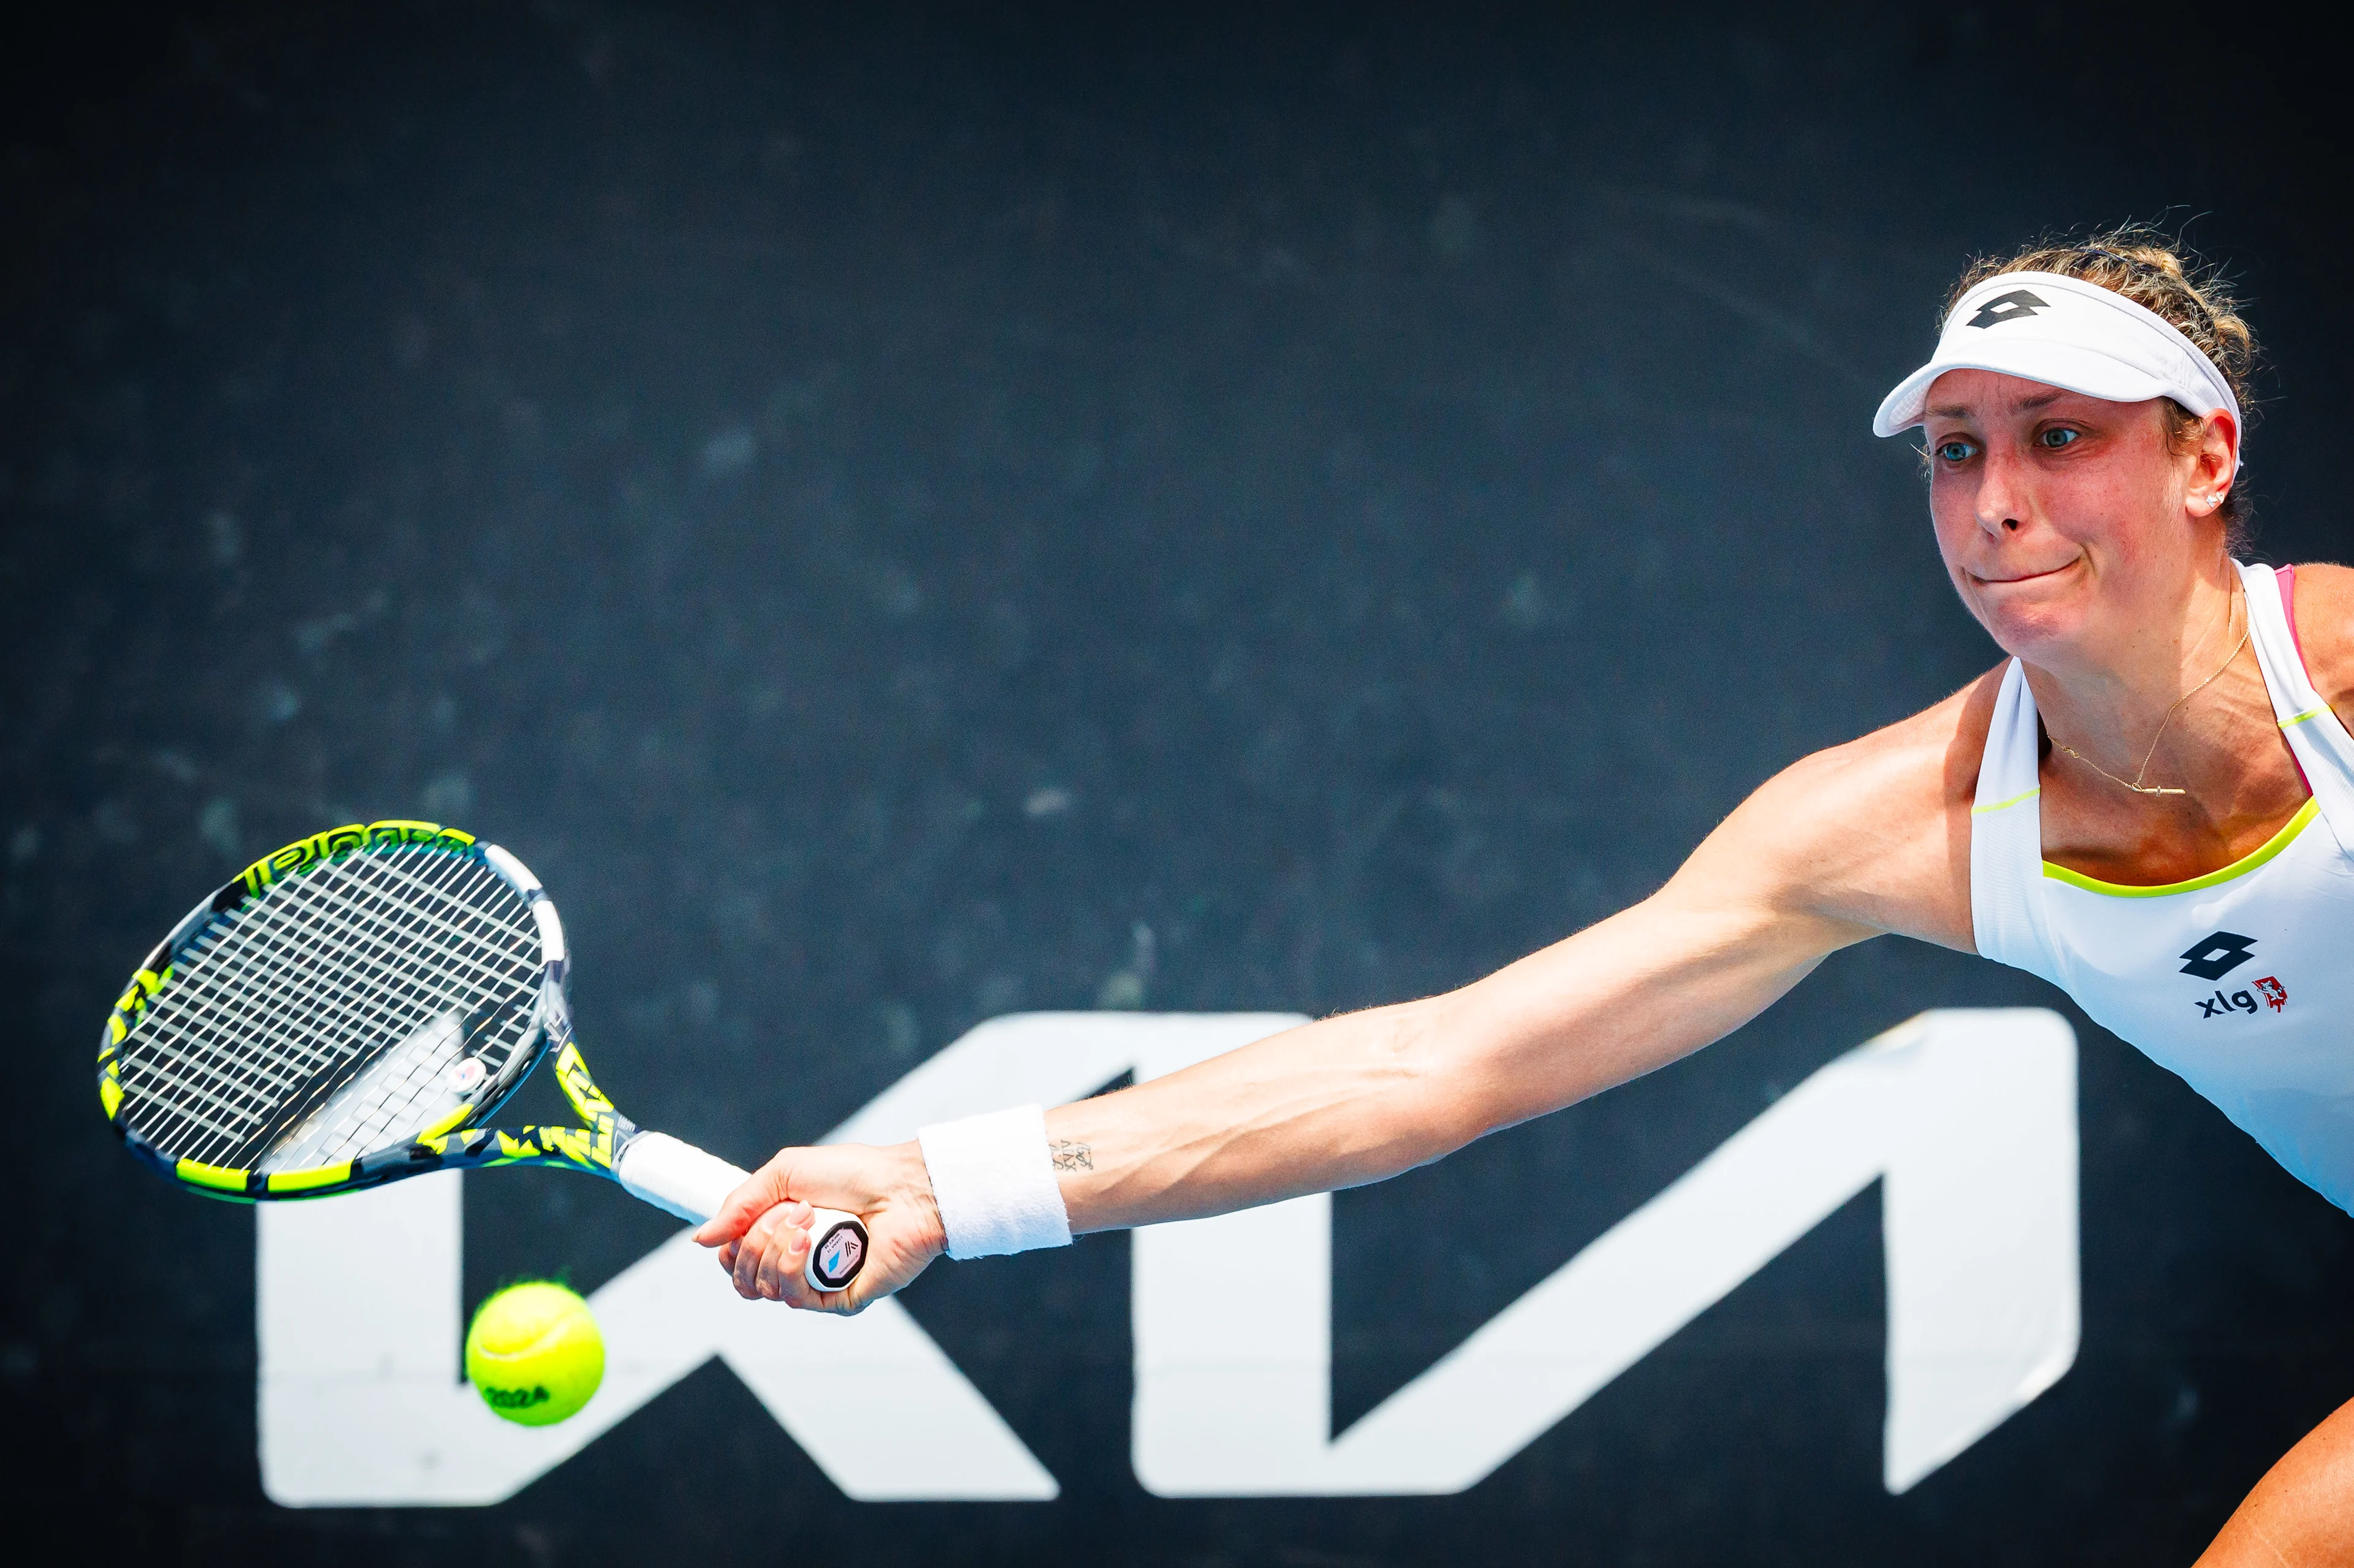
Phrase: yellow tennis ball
x=534 y=1353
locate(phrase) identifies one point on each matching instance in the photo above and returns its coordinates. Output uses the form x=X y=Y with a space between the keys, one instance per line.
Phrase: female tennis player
x=2149 y=803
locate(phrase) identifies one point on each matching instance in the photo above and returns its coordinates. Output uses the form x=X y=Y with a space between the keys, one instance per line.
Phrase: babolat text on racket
x=352 y=1008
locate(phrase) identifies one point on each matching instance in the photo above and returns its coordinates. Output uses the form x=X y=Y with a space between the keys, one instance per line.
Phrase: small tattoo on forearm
x=1070 y=1156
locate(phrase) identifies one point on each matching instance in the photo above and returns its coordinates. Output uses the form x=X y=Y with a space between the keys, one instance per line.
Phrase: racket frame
x=459 y=1141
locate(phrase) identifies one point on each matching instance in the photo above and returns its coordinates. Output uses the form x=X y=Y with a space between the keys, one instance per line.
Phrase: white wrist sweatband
x=994 y=1184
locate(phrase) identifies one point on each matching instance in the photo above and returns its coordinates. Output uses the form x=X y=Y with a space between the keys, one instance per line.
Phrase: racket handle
x=683 y=1180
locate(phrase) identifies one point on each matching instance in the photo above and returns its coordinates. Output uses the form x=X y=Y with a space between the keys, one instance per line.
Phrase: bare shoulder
x=2324 y=631
x=1876 y=832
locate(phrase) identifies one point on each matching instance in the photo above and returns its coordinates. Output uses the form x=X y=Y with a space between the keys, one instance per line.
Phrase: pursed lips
x=2022 y=577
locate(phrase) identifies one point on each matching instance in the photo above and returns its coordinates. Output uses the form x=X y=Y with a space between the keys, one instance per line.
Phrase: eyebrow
x=2025 y=405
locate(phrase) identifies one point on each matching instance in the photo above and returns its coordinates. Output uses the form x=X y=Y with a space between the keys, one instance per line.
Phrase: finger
x=747 y=1270
x=772 y=1234
x=775 y=1266
x=781 y=1263
x=726 y=1254
x=754 y=1196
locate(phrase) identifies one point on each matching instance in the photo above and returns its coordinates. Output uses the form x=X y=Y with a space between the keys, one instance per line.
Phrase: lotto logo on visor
x=2008 y=308
x=2065 y=333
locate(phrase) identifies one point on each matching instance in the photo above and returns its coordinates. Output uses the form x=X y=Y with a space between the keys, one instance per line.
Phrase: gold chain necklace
x=2135 y=783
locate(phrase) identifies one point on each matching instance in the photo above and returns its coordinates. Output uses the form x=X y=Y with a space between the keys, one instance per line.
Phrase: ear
x=2215 y=464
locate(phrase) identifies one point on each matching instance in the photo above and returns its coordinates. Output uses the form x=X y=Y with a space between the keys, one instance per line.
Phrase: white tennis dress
x=2242 y=980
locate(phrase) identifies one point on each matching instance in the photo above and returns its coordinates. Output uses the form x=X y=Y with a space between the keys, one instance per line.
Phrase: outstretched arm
x=1846 y=844
x=1364 y=1095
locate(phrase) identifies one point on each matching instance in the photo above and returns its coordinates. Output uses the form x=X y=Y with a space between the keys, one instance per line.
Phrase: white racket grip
x=679 y=1177
x=658 y=1169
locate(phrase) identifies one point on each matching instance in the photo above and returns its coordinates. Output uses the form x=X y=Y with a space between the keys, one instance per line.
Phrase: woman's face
x=2068 y=524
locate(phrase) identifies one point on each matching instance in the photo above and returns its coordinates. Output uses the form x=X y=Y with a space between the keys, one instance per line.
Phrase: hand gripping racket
x=350 y=1011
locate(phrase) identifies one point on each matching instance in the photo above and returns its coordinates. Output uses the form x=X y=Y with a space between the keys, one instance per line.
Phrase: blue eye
x=1954 y=451
x=2057 y=436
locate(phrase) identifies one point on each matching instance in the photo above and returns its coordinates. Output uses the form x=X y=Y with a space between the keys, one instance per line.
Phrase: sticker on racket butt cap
x=837 y=1250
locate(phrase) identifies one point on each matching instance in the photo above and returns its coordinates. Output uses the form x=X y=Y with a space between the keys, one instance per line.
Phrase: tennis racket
x=351 y=1010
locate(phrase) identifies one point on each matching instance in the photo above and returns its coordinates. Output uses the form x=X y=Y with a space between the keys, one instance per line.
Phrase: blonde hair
x=2163 y=276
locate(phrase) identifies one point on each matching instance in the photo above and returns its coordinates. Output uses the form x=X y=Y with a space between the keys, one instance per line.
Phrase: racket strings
x=242 y=972
x=263 y=1070
x=316 y=1062
x=236 y=1076
x=252 y=963
x=392 y=1095
x=262 y=970
x=268 y=963
x=273 y=1010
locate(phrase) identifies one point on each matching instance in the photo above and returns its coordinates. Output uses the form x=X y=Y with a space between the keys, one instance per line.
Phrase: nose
x=2002 y=500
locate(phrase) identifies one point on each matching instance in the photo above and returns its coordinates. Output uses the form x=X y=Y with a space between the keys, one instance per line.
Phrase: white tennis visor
x=2067 y=332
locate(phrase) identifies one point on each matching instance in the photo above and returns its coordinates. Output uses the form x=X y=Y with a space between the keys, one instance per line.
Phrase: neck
x=2176 y=687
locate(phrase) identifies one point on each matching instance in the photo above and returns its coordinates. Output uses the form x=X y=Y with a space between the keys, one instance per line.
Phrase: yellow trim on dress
x=2307 y=714
x=2006 y=805
x=2240 y=867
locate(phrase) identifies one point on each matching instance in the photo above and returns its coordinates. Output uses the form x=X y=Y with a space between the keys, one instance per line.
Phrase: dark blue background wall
x=908 y=518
